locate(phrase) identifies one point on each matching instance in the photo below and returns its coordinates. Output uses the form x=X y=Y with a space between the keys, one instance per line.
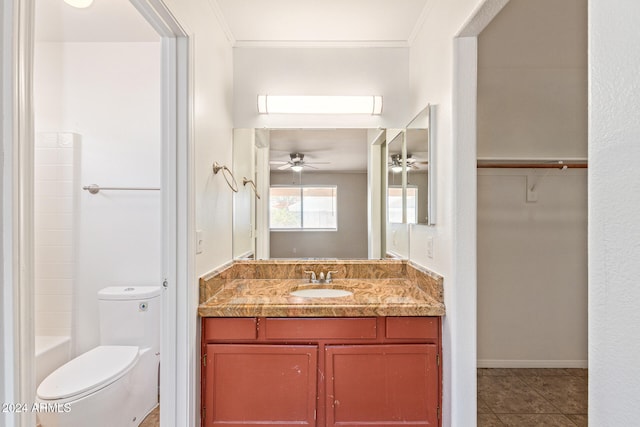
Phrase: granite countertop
x=402 y=289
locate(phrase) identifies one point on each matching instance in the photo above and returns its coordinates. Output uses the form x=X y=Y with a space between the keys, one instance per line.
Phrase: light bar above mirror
x=280 y=104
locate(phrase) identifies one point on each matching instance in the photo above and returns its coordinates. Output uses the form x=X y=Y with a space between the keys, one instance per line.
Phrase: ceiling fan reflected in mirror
x=296 y=163
x=412 y=163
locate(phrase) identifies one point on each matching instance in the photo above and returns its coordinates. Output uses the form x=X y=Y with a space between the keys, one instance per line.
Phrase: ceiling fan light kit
x=296 y=163
x=348 y=104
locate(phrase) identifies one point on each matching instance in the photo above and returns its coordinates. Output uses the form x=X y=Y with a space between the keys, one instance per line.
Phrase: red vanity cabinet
x=322 y=372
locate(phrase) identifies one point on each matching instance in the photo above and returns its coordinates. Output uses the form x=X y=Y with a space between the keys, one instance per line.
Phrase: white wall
x=614 y=185
x=349 y=241
x=109 y=93
x=211 y=76
x=321 y=71
x=532 y=256
x=432 y=59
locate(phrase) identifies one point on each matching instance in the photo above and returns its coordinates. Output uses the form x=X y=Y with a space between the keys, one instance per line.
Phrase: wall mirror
x=396 y=244
x=244 y=205
x=396 y=174
x=318 y=189
x=420 y=146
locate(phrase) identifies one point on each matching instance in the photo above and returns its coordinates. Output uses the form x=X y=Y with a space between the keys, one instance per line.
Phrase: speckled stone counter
x=262 y=289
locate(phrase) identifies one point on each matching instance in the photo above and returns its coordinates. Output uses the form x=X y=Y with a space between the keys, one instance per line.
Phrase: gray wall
x=349 y=241
x=532 y=256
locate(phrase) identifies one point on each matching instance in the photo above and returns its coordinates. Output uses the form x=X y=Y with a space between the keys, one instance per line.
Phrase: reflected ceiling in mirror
x=319 y=150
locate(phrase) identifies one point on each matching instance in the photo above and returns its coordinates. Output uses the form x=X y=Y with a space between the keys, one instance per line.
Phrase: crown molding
x=222 y=21
x=420 y=22
x=321 y=43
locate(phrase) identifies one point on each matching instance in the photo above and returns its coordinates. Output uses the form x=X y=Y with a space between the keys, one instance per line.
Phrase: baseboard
x=496 y=363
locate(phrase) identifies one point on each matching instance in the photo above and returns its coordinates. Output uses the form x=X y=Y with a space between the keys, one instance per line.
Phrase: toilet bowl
x=116 y=383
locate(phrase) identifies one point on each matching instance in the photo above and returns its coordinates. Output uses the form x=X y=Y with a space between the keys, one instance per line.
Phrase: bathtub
x=51 y=353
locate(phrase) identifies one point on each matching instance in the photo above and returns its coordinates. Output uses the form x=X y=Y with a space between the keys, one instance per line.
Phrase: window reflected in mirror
x=303 y=208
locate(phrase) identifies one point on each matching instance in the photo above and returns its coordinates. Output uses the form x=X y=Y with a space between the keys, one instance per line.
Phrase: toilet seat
x=88 y=372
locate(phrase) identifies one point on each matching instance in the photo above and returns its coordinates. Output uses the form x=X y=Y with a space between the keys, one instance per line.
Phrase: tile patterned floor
x=153 y=419
x=517 y=398
x=532 y=397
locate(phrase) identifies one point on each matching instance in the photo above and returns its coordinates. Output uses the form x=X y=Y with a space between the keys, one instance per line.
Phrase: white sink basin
x=321 y=293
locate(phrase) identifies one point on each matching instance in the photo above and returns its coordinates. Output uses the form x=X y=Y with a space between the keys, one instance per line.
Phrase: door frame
x=178 y=370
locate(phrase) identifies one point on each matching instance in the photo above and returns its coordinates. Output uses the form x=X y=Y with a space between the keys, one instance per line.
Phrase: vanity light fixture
x=80 y=4
x=280 y=104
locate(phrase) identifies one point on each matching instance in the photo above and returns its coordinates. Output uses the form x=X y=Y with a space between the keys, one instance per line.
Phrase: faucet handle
x=312 y=278
x=330 y=273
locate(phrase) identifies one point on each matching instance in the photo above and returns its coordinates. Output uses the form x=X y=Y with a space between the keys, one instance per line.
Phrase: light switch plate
x=199 y=241
x=430 y=247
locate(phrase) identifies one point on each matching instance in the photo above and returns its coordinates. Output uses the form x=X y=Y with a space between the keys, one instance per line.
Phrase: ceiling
x=343 y=149
x=262 y=23
x=103 y=21
x=327 y=22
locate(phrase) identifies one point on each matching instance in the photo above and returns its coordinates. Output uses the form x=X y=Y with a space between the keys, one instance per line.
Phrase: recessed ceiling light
x=80 y=4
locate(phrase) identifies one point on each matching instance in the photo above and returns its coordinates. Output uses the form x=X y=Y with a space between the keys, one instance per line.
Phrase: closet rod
x=531 y=165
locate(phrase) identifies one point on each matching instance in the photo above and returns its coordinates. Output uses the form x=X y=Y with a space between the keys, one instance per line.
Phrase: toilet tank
x=130 y=315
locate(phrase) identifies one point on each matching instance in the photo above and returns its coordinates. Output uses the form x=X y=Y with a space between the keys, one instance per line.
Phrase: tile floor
x=517 y=398
x=532 y=397
x=153 y=419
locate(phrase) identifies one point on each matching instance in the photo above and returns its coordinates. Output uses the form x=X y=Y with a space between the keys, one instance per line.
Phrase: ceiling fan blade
x=317 y=163
x=306 y=165
x=278 y=162
x=285 y=166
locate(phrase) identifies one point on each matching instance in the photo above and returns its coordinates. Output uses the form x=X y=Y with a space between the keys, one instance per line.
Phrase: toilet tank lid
x=88 y=372
x=128 y=292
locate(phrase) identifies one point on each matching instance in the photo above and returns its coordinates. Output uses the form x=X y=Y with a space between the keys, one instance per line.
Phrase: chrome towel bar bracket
x=226 y=172
x=246 y=181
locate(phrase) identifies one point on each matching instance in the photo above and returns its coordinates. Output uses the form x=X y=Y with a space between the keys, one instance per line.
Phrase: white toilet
x=116 y=383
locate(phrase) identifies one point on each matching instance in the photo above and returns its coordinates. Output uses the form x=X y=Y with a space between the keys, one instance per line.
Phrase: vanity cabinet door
x=260 y=385
x=382 y=385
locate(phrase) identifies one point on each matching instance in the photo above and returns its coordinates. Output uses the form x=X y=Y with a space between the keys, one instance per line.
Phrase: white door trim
x=460 y=406
x=18 y=331
x=178 y=367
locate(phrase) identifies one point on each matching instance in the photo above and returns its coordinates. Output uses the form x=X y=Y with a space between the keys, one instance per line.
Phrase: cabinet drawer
x=338 y=328
x=221 y=328
x=412 y=327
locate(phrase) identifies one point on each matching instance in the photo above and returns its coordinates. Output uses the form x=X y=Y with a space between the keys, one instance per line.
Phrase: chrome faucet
x=322 y=278
x=329 y=279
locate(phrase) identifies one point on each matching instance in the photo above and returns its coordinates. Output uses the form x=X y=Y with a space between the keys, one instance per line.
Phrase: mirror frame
x=428 y=114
